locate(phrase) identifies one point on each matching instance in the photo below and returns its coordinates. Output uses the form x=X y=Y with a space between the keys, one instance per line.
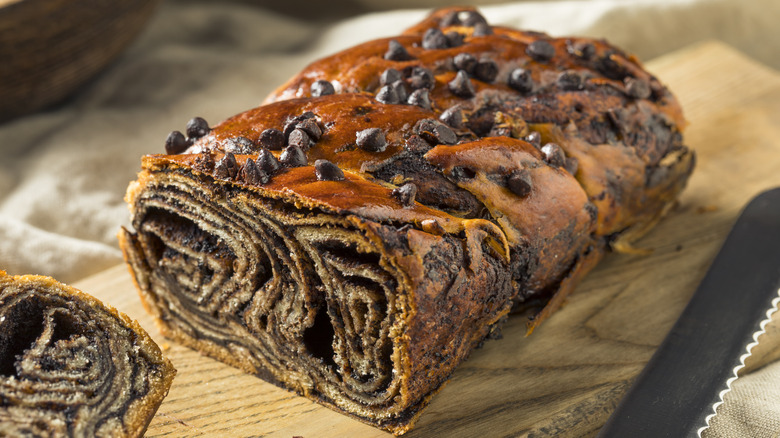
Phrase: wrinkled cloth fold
x=64 y=171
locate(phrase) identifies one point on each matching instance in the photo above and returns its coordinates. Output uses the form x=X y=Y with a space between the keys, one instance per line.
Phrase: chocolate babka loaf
x=355 y=237
x=71 y=366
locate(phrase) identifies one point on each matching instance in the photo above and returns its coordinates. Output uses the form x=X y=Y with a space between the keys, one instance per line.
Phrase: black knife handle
x=676 y=391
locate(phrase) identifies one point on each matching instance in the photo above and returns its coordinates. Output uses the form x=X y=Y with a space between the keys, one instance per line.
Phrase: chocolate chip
x=461 y=86
x=389 y=76
x=293 y=122
x=462 y=173
x=416 y=145
x=204 y=162
x=658 y=89
x=272 y=139
x=637 y=88
x=553 y=155
x=421 y=77
x=486 y=70
x=434 y=39
x=572 y=164
x=569 y=81
x=176 y=143
x=226 y=167
x=582 y=50
x=454 y=39
x=239 y=145
x=387 y=95
x=252 y=174
x=520 y=183
x=540 y=50
x=405 y=194
x=610 y=68
x=444 y=134
x=465 y=61
x=397 y=52
x=435 y=132
x=482 y=29
x=420 y=98
x=371 y=139
x=535 y=139
x=268 y=162
x=520 y=79
x=425 y=125
x=399 y=87
x=472 y=18
x=293 y=156
x=322 y=88
x=587 y=50
x=197 y=127
x=310 y=127
x=451 y=19
x=327 y=171
x=299 y=137
x=453 y=117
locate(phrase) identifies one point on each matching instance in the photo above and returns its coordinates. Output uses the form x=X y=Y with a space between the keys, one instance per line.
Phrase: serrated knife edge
x=771 y=311
x=683 y=383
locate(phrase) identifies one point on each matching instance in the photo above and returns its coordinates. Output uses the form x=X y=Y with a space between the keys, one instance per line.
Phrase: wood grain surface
x=567 y=377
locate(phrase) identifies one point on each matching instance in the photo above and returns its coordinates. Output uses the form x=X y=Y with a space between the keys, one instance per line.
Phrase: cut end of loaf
x=333 y=307
x=70 y=365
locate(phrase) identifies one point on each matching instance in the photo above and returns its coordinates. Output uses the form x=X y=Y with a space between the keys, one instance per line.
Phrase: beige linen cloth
x=63 y=172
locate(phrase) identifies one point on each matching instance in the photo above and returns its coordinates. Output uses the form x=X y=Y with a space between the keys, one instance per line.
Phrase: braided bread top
x=554 y=143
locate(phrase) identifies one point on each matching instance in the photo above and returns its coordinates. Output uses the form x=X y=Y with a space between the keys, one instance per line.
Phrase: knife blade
x=678 y=391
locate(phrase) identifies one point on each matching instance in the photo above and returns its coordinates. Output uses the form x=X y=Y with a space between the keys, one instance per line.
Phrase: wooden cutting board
x=567 y=377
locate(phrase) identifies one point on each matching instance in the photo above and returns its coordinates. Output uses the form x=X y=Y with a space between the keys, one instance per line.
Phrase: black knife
x=683 y=383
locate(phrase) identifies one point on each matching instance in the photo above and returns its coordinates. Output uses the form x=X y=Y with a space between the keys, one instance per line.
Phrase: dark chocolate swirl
x=70 y=366
x=322 y=303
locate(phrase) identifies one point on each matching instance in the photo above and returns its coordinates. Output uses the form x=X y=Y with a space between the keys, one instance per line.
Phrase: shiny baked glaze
x=355 y=195
x=340 y=115
x=650 y=127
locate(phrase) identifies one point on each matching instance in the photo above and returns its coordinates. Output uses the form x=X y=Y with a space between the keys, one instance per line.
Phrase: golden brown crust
x=625 y=128
x=72 y=365
x=355 y=237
